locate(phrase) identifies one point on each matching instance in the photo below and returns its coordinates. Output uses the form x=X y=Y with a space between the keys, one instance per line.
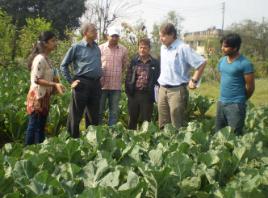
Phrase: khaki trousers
x=172 y=106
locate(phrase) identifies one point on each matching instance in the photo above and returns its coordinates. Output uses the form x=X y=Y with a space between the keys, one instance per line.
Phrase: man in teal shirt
x=236 y=86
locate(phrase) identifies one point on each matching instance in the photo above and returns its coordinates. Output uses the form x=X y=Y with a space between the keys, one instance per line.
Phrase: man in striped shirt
x=114 y=58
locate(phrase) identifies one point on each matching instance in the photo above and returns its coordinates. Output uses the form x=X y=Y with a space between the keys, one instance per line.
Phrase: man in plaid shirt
x=114 y=58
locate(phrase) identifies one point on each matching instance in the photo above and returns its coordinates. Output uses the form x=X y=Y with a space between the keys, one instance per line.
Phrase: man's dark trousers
x=85 y=95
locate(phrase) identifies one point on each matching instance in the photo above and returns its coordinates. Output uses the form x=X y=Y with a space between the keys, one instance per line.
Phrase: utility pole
x=223 y=13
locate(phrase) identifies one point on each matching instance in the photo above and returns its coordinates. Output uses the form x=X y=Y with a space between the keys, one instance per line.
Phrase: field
x=259 y=98
x=193 y=161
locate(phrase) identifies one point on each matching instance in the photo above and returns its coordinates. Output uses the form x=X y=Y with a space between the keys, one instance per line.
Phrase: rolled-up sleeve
x=64 y=67
x=193 y=58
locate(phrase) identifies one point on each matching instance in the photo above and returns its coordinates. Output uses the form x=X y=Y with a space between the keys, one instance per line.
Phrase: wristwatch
x=194 y=81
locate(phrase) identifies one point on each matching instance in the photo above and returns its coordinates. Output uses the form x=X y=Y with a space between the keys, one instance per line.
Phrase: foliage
x=254 y=37
x=156 y=44
x=199 y=104
x=254 y=42
x=131 y=36
x=213 y=49
x=64 y=14
x=52 y=10
x=7 y=31
x=104 y=13
x=13 y=117
x=62 y=47
x=115 y=162
x=171 y=17
x=29 y=34
x=174 y=18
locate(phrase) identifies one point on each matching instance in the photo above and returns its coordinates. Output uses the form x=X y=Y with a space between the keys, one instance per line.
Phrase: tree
x=254 y=37
x=7 y=32
x=103 y=13
x=62 y=14
x=175 y=19
x=254 y=43
x=29 y=34
x=131 y=34
x=156 y=44
x=171 y=17
x=19 y=10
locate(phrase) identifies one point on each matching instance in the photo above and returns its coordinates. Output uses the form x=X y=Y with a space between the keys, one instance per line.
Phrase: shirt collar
x=107 y=45
x=149 y=60
x=173 y=45
x=85 y=43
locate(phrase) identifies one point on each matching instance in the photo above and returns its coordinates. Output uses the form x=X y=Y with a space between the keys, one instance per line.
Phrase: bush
x=29 y=34
x=7 y=31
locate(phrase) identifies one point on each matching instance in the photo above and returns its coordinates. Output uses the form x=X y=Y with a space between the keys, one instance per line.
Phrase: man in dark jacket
x=142 y=75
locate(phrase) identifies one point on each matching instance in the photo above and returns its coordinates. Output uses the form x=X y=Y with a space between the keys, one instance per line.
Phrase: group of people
x=95 y=74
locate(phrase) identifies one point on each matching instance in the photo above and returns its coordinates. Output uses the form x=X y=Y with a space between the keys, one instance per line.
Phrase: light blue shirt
x=176 y=62
x=85 y=59
x=233 y=88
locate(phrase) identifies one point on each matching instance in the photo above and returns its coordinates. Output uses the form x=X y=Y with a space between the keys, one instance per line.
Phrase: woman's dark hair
x=168 y=29
x=145 y=41
x=232 y=40
x=39 y=47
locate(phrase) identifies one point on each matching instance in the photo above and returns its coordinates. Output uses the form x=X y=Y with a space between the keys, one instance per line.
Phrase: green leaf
x=239 y=152
x=44 y=183
x=180 y=163
x=24 y=169
x=14 y=149
x=132 y=181
x=69 y=171
x=210 y=158
x=12 y=195
x=6 y=184
x=156 y=155
x=111 y=179
x=92 y=192
x=190 y=184
x=102 y=168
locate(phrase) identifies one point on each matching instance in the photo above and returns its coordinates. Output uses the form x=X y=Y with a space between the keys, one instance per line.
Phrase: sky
x=201 y=14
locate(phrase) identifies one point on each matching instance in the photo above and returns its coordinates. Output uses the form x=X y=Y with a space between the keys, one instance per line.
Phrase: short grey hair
x=85 y=26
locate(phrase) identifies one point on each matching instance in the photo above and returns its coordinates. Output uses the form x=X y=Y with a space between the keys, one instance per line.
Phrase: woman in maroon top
x=43 y=83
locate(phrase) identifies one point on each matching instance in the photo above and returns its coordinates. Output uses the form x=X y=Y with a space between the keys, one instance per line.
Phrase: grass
x=211 y=89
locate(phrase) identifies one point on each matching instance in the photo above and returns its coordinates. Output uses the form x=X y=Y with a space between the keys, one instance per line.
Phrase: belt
x=175 y=86
x=87 y=78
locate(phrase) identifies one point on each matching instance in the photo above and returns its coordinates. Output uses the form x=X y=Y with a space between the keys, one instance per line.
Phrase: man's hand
x=192 y=84
x=60 y=88
x=75 y=83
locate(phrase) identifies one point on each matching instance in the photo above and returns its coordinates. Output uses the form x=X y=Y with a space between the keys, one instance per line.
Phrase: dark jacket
x=154 y=72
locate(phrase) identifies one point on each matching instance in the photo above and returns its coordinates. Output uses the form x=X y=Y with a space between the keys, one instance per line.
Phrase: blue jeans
x=35 y=130
x=113 y=97
x=232 y=115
